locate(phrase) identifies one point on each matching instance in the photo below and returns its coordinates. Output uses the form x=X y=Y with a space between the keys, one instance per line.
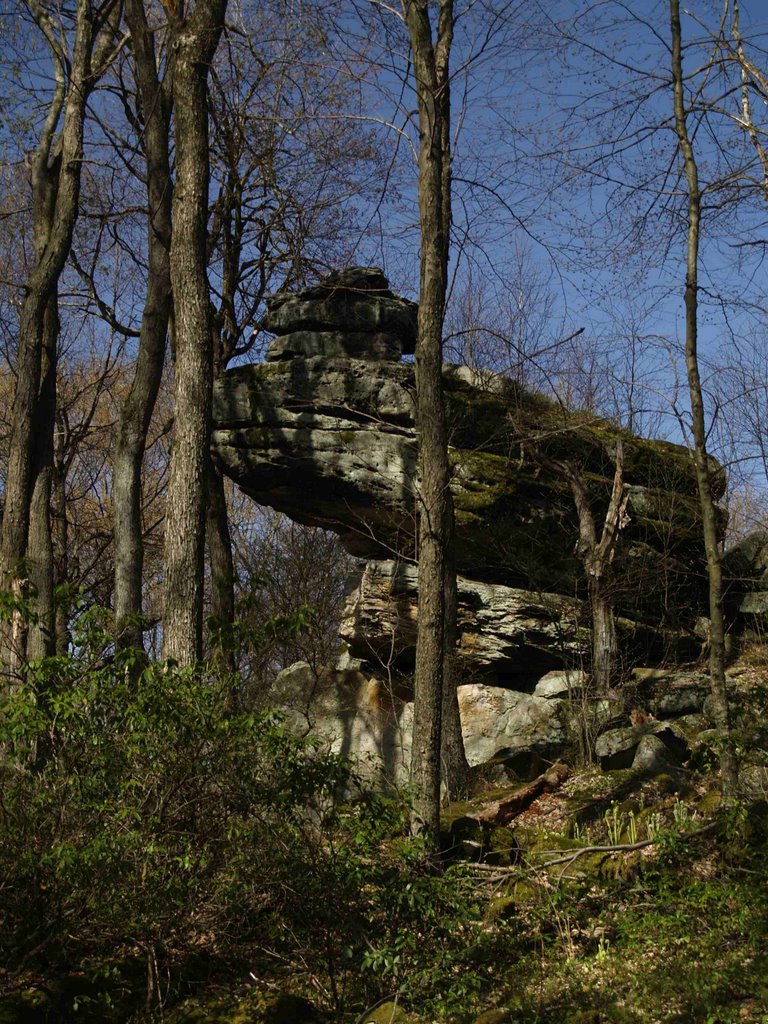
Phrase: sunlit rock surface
x=324 y=431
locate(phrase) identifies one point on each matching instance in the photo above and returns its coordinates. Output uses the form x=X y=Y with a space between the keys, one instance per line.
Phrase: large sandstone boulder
x=324 y=432
x=746 y=567
x=617 y=748
x=353 y=714
x=505 y=636
x=498 y=723
x=354 y=302
x=331 y=442
x=348 y=713
x=287 y=433
x=668 y=693
x=370 y=719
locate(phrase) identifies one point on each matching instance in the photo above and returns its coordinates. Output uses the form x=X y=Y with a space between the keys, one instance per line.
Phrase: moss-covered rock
x=389 y=1013
x=331 y=442
x=253 y=1008
x=495 y=1016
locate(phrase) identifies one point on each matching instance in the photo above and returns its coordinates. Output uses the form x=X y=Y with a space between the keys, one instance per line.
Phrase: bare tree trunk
x=40 y=563
x=597 y=557
x=136 y=413
x=220 y=562
x=455 y=769
x=60 y=533
x=196 y=44
x=430 y=62
x=454 y=759
x=728 y=763
x=56 y=175
x=604 y=645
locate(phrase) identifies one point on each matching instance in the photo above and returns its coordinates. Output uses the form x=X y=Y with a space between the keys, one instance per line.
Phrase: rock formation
x=746 y=566
x=324 y=432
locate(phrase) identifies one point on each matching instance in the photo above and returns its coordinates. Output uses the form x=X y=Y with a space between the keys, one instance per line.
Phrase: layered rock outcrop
x=506 y=636
x=746 y=567
x=324 y=432
x=351 y=712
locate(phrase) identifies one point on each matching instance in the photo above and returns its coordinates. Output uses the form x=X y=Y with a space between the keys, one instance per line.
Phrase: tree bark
x=41 y=641
x=56 y=176
x=60 y=533
x=728 y=762
x=455 y=768
x=139 y=404
x=503 y=811
x=597 y=557
x=196 y=44
x=433 y=654
x=604 y=644
x=221 y=564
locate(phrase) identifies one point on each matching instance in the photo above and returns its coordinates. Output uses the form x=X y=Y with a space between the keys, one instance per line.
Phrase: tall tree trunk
x=455 y=769
x=136 y=413
x=454 y=760
x=40 y=562
x=196 y=44
x=728 y=762
x=56 y=175
x=430 y=63
x=221 y=564
x=597 y=558
x=224 y=340
x=604 y=645
x=60 y=533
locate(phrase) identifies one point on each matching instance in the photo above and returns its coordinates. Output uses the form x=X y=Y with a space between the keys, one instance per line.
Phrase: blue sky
x=567 y=203
x=568 y=189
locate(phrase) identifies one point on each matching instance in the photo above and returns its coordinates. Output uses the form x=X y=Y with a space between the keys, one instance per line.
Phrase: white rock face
x=351 y=714
x=494 y=720
x=568 y=683
x=354 y=714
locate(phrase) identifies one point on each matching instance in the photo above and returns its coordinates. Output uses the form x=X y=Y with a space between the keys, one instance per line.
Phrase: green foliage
x=682 y=941
x=155 y=837
x=151 y=834
x=128 y=794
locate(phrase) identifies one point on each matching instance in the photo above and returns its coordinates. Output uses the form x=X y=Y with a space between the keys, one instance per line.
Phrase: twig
x=495 y=870
x=619 y=847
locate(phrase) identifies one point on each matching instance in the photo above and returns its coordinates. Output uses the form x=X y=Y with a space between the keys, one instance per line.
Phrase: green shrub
x=153 y=835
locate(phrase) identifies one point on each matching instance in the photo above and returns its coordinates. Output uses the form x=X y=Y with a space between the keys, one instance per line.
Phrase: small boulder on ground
x=565 y=683
x=617 y=748
x=389 y=1013
x=652 y=755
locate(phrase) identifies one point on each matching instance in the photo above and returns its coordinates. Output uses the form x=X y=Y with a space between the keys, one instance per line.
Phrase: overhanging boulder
x=324 y=431
x=331 y=442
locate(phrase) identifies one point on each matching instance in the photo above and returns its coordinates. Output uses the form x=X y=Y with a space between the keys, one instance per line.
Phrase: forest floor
x=619 y=898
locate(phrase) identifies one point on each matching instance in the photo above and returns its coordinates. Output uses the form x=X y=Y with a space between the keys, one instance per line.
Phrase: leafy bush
x=145 y=820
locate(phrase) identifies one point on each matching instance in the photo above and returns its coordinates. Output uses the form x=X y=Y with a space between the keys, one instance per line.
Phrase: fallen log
x=502 y=811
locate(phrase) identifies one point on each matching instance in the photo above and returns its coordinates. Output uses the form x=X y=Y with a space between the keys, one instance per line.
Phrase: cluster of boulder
x=513 y=733
x=324 y=431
